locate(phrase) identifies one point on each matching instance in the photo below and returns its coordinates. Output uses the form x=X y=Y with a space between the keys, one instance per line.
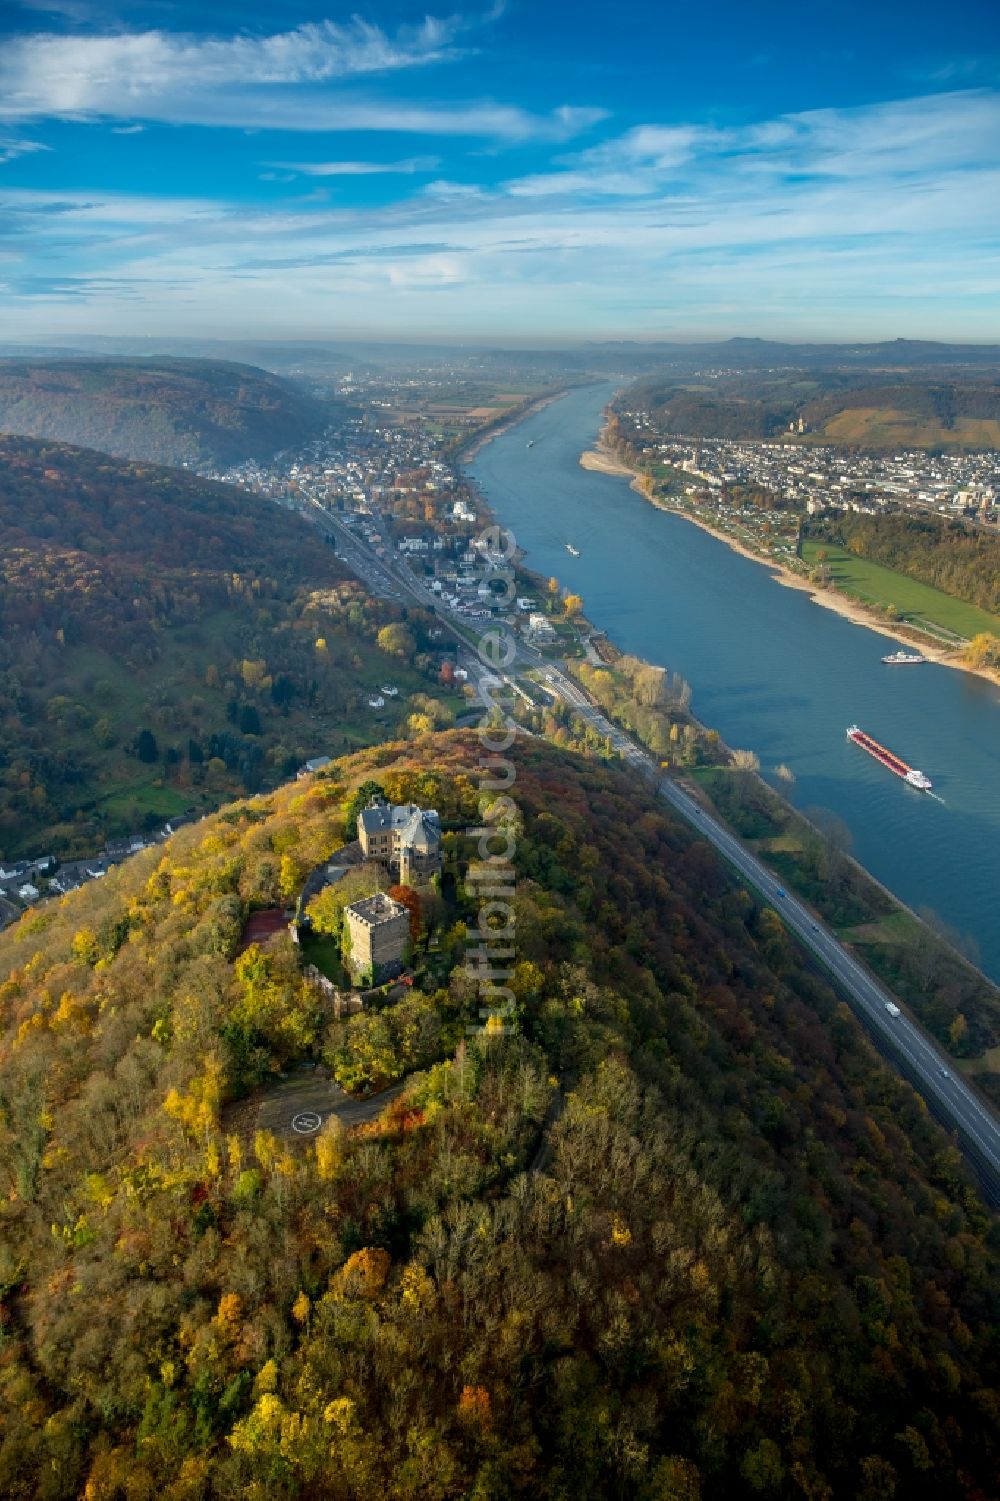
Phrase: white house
x=540 y=627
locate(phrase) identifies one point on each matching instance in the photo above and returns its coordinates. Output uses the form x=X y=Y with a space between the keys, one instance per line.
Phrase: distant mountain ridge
x=749 y=353
x=864 y=408
x=162 y=411
x=335 y=356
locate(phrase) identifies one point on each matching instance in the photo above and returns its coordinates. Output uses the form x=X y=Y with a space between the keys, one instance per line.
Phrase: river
x=769 y=669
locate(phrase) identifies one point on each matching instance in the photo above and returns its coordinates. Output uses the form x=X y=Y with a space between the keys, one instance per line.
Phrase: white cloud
x=614 y=184
x=442 y=188
x=656 y=147
x=46 y=74
x=360 y=169
x=33 y=212
x=13 y=146
x=427 y=272
x=292 y=80
x=942 y=132
x=799 y=218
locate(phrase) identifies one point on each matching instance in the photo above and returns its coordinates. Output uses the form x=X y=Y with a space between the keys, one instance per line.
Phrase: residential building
x=316 y=764
x=540 y=628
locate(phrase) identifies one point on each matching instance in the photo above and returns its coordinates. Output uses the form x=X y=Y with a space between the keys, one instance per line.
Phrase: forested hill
x=949 y=554
x=679 y=1233
x=134 y=598
x=195 y=412
x=835 y=406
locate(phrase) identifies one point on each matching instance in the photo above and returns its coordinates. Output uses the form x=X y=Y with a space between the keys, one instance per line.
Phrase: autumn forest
x=158 y=654
x=677 y=1233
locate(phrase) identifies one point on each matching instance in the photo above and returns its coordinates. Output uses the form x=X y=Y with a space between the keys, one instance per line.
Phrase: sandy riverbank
x=603 y=461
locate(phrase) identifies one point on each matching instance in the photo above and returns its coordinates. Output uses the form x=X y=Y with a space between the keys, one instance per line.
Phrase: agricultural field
x=886 y=427
x=918 y=604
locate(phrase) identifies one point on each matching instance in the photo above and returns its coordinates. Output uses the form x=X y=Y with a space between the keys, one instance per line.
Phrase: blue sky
x=529 y=170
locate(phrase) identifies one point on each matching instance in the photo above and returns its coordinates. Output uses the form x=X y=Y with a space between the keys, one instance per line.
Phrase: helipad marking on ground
x=306 y=1122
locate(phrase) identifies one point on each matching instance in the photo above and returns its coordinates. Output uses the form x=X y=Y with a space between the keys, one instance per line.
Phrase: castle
x=402 y=837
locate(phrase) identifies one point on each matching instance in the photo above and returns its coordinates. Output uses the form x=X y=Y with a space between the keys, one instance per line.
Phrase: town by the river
x=771 y=670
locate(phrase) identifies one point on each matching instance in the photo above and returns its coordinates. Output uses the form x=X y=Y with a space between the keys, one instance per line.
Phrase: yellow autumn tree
x=197 y=1109
x=364 y=1274
x=85 y=946
x=291 y=877
x=983 y=650
x=328 y=1147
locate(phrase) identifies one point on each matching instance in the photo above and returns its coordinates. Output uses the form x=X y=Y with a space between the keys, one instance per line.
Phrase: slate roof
x=416 y=827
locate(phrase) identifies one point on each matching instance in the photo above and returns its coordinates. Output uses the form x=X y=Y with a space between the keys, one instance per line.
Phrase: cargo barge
x=889 y=760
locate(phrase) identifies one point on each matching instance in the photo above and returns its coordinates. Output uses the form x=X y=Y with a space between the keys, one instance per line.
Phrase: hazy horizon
x=472 y=341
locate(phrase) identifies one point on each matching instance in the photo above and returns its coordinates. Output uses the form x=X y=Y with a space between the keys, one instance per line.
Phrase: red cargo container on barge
x=889 y=760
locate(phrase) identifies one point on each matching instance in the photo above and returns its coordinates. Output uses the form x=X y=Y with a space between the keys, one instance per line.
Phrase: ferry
x=903 y=659
x=574 y=552
x=890 y=761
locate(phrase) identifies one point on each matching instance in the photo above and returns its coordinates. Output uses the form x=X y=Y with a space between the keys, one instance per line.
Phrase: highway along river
x=770 y=670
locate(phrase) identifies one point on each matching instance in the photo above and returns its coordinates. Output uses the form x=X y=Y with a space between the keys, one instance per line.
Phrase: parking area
x=297 y=1107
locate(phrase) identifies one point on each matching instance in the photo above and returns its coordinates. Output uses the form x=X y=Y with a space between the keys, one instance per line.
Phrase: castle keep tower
x=378 y=931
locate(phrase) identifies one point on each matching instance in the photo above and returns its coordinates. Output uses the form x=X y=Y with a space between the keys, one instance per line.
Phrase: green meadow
x=918 y=604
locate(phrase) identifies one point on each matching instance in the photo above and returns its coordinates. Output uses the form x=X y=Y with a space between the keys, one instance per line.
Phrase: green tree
x=145 y=746
x=326 y=909
x=105 y=734
x=358 y=801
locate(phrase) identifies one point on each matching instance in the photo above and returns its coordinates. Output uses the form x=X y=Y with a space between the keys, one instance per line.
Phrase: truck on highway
x=892 y=1008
